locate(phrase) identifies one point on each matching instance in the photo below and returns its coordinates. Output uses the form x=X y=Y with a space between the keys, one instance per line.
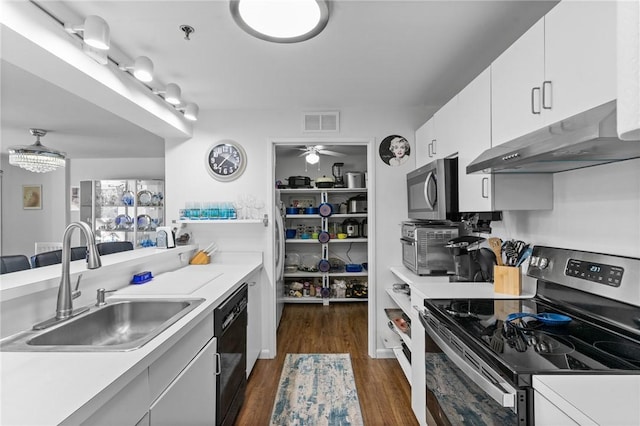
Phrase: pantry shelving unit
x=355 y=282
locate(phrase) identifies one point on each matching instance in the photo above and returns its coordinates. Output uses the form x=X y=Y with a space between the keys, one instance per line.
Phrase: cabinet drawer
x=166 y=368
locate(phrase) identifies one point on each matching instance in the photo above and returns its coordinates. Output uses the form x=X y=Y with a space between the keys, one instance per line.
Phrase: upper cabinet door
x=447 y=129
x=516 y=87
x=474 y=103
x=425 y=135
x=580 y=57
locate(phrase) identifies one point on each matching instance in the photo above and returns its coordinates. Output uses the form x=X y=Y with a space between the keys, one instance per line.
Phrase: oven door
x=461 y=388
x=409 y=254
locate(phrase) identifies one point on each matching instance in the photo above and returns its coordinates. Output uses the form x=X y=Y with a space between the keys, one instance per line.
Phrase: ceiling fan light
x=283 y=21
x=172 y=94
x=36 y=158
x=95 y=32
x=312 y=157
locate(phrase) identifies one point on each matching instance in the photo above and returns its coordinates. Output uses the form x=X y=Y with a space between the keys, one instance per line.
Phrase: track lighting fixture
x=171 y=93
x=190 y=111
x=142 y=69
x=95 y=31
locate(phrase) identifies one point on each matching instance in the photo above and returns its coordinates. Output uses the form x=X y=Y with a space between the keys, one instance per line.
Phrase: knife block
x=507 y=280
x=200 y=258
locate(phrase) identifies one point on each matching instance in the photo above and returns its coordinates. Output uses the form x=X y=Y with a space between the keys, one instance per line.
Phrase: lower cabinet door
x=191 y=398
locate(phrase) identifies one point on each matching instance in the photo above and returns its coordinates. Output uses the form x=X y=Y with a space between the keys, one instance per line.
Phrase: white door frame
x=271 y=343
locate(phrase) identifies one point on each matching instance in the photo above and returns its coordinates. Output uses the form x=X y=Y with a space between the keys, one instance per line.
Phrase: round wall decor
x=226 y=160
x=394 y=150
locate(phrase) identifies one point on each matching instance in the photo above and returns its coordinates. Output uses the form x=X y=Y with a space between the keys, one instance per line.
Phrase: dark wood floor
x=384 y=393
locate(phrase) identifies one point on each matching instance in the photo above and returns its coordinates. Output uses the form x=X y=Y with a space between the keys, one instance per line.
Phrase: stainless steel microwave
x=432 y=191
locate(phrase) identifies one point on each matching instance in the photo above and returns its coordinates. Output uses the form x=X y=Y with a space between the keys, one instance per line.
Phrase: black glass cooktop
x=527 y=346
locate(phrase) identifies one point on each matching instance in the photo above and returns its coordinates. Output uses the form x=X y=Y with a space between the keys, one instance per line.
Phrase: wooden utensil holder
x=200 y=258
x=507 y=280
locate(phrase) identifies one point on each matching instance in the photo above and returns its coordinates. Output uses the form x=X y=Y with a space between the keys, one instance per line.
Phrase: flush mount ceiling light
x=142 y=69
x=171 y=93
x=190 y=111
x=37 y=157
x=281 y=21
x=95 y=31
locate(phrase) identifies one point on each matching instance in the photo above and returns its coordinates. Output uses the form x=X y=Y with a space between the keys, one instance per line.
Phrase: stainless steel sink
x=118 y=326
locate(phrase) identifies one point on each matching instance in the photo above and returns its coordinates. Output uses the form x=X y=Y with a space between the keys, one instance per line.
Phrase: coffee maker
x=469 y=261
x=336 y=170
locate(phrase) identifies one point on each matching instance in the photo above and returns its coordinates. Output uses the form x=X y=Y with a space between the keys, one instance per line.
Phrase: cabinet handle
x=485 y=187
x=429 y=148
x=218 y=364
x=533 y=96
x=546 y=84
x=433 y=143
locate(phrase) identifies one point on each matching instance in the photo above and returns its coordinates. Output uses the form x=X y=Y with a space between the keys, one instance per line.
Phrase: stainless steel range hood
x=584 y=140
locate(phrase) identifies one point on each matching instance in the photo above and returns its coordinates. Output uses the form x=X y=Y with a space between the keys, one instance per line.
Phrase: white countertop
x=52 y=388
x=433 y=287
x=593 y=399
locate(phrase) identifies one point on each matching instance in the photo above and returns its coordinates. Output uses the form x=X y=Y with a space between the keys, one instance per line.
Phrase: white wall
x=594 y=209
x=188 y=180
x=22 y=228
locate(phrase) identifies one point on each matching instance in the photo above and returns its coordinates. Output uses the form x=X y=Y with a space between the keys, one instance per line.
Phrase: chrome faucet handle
x=76 y=293
x=100 y=296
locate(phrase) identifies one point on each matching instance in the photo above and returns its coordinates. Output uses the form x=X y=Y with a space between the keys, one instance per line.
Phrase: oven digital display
x=596 y=272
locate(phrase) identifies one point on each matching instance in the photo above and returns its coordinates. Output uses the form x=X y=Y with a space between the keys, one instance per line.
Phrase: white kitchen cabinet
x=425 y=135
x=479 y=192
x=127 y=407
x=580 y=57
x=190 y=398
x=548 y=414
x=254 y=321
x=516 y=80
x=437 y=138
x=474 y=103
x=418 y=370
x=563 y=65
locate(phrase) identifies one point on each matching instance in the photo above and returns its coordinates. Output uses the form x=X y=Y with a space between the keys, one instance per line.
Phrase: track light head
x=142 y=69
x=95 y=32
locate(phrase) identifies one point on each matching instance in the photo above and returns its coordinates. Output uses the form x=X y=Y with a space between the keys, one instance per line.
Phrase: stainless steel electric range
x=480 y=364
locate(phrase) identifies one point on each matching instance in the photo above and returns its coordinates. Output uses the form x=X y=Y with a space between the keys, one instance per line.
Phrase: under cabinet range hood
x=584 y=140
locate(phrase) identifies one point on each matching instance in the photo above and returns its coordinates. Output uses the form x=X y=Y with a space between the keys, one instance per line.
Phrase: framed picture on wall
x=32 y=197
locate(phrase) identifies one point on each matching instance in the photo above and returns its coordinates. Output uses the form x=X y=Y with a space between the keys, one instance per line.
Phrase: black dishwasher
x=230 y=324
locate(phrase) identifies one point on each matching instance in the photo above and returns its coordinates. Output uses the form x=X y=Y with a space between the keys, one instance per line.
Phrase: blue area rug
x=317 y=389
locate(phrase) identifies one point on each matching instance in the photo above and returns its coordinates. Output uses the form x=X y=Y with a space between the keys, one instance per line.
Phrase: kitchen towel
x=317 y=389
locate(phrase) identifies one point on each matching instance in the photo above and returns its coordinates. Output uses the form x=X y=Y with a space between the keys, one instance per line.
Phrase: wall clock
x=226 y=160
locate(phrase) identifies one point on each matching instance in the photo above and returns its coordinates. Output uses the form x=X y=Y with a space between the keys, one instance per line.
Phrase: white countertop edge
x=434 y=287
x=579 y=397
x=89 y=380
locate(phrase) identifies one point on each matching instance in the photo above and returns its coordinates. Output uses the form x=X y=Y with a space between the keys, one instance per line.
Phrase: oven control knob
x=543 y=262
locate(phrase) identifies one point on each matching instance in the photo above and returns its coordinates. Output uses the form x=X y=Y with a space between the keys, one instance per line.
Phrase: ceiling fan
x=311 y=153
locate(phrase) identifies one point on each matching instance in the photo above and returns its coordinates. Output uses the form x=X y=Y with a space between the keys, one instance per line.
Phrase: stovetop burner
x=526 y=346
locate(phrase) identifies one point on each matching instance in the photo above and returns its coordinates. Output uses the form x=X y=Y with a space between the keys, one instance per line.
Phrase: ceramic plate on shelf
x=145 y=197
x=144 y=221
x=122 y=221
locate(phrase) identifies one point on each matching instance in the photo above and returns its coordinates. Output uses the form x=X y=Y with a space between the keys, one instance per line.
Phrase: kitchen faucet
x=64 y=306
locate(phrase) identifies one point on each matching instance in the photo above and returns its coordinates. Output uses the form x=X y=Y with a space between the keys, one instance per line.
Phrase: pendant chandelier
x=37 y=157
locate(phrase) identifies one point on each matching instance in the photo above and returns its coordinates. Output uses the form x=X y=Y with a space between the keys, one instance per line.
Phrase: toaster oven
x=424 y=250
